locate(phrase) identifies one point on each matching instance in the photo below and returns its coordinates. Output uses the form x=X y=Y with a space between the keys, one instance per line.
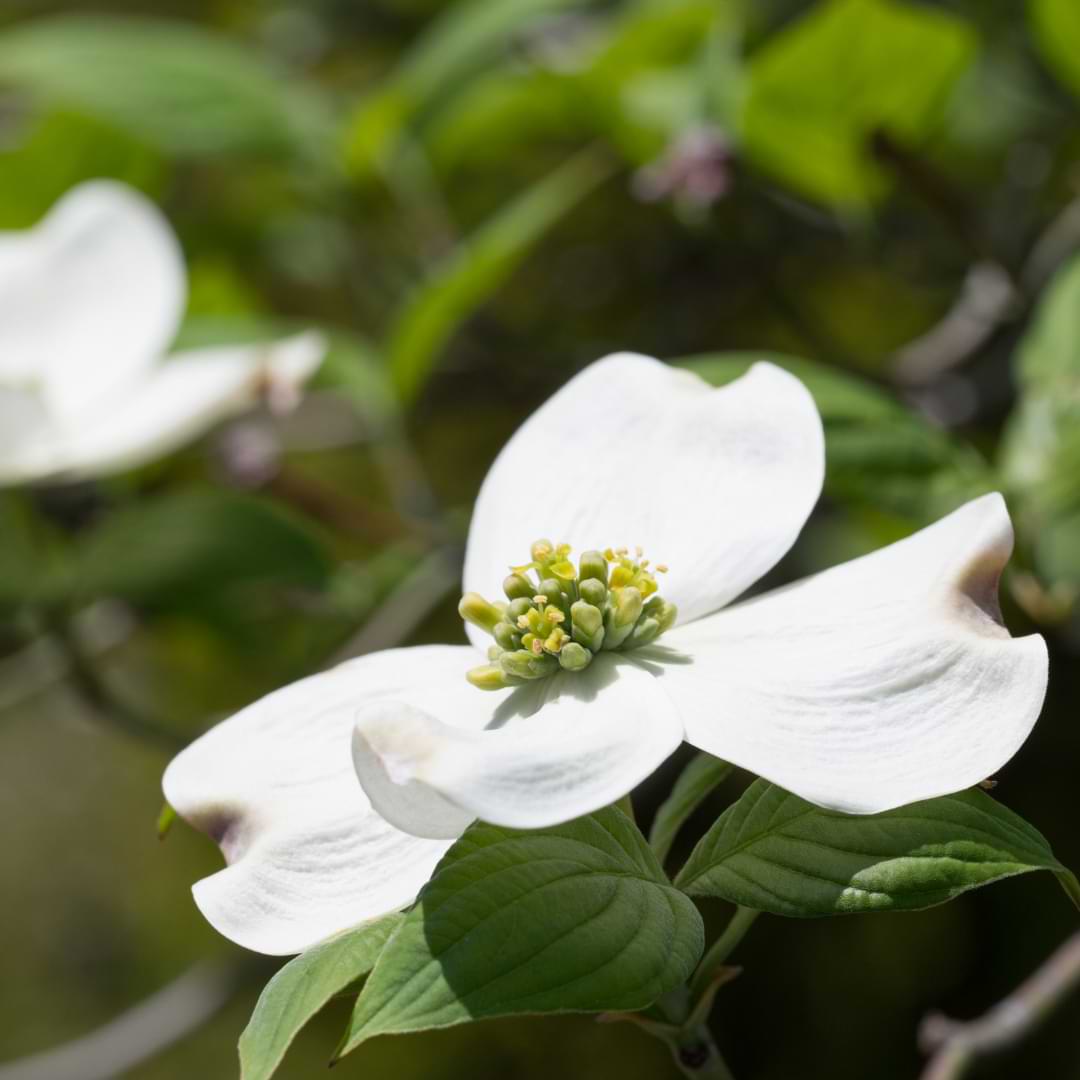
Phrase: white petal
x=716 y=483
x=553 y=750
x=89 y=298
x=171 y=405
x=880 y=682
x=275 y=787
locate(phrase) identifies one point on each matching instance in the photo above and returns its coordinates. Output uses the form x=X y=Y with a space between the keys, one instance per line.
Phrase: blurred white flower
x=90 y=299
x=877 y=683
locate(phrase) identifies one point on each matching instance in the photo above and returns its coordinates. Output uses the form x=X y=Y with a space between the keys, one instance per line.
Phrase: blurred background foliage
x=475 y=199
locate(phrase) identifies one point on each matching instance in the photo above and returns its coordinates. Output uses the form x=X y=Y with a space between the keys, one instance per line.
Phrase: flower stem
x=721 y=949
x=697 y=1056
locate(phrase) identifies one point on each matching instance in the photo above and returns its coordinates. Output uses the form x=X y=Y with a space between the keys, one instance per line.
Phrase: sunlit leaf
x=776 y=852
x=819 y=90
x=576 y=918
x=302 y=987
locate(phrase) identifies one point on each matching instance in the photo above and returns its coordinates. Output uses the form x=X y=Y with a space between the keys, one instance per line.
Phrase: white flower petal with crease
x=90 y=297
x=549 y=751
x=877 y=683
x=716 y=483
x=275 y=787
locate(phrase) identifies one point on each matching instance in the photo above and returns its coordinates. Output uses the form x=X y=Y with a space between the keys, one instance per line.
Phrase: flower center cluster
x=563 y=616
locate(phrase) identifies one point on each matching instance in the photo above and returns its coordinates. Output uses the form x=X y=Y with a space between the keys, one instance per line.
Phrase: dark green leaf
x=178 y=87
x=773 y=851
x=198 y=541
x=302 y=987
x=695 y=783
x=820 y=89
x=576 y=918
x=480 y=265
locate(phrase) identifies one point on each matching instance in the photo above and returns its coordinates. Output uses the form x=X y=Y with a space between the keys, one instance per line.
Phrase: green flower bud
x=669 y=612
x=593 y=566
x=518 y=587
x=628 y=604
x=593 y=591
x=490 y=677
x=506 y=637
x=494 y=652
x=542 y=551
x=574 y=657
x=524 y=664
x=520 y=606
x=587 y=617
x=475 y=609
x=645 y=633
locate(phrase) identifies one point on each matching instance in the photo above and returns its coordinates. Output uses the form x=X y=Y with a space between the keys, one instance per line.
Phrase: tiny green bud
x=523 y=664
x=669 y=612
x=506 y=637
x=628 y=604
x=521 y=606
x=494 y=652
x=587 y=617
x=490 y=677
x=475 y=609
x=593 y=566
x=542 y=551
x=574 y=657
x=551 y=588
x=645 y=633
x=593 y=591
x=518 y=587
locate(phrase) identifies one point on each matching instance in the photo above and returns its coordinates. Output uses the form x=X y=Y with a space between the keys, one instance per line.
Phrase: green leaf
x=195 y=543
x=773 y=851
x=879 y=453
x=1040 y=453
x=1055 y=25
x=302 y=987
x=462 y=43
x=480 y=265
x=819 y=89
x=695 y=784
x=172 y=84
x=576 y=918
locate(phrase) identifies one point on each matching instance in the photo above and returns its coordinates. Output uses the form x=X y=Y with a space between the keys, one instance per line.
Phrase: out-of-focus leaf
x=302 y=987
x=198 y=542
x=1041 y=449
x=60 y=149
x=818 y=91
x=460 y=44
x=480 y=265
x=695 y=784
x=575 y=918
x=1056 y=28
x=773 y=851
x=178 y=87
x=878 y=453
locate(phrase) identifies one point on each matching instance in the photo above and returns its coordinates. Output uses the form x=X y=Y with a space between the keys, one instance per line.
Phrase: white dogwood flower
x=880 y=682
x=90 y=299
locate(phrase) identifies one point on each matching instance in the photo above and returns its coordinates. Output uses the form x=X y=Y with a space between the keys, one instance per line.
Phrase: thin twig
x=142 y=1032
x=957 y=1045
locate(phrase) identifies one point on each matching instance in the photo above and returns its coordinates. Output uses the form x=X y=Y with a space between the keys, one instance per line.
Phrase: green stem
x=697 y=1055
x=626 y=806
x=721 y=949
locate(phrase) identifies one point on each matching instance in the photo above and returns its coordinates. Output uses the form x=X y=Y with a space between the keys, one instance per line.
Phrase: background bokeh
x=476 y=198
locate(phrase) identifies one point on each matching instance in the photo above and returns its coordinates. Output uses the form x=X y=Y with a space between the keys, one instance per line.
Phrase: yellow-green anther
x=593 y=566
x=645 y=633
x=517 y=587
x=475 y=609
x=556 y=639
x=627 y=606
x=574 y=657
x=490 y=677
x=594 y=592
x=506 y=637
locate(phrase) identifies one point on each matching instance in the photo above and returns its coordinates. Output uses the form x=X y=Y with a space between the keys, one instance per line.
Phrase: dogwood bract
x=880 y=682
x=90 y=299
